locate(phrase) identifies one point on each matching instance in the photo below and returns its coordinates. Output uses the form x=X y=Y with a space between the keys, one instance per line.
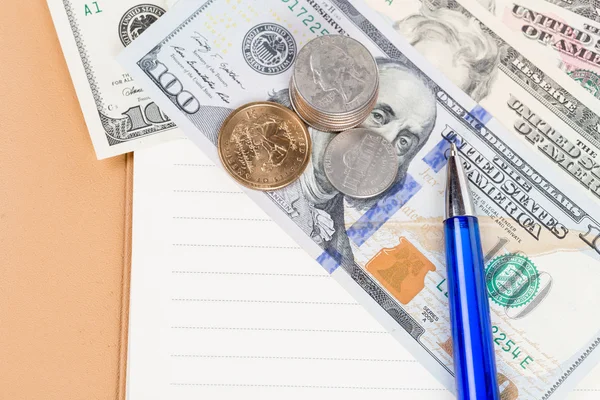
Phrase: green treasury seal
x=512 y=280
x=588 y=79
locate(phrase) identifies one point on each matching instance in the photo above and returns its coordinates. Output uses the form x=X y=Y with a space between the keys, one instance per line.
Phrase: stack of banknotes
x=513 y=82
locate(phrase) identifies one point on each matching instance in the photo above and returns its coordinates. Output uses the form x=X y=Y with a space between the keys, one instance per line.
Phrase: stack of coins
x=335 y=83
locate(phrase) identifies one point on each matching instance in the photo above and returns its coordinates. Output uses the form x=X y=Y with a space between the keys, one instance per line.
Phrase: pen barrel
x=474 y=360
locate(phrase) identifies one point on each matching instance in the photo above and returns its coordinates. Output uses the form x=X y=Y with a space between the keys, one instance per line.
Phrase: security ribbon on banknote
x=539 y=225
x=119 y=115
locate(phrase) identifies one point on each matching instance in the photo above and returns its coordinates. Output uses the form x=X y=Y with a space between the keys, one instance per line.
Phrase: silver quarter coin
x=360 y=163
x=327 y=123
x=335 y=74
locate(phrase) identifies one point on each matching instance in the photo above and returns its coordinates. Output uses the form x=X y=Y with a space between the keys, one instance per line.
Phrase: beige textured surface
x=62 y=226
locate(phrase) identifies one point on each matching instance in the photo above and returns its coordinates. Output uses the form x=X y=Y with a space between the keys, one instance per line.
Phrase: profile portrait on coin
x=456 y=45
x=405 y=115
x=345 y=78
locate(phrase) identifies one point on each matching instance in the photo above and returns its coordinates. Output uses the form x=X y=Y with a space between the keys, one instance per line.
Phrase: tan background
x=62 y=225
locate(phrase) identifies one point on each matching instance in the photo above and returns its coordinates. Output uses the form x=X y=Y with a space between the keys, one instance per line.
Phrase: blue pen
x=474 y=361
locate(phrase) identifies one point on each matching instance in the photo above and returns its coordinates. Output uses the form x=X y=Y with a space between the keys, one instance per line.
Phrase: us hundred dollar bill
x=120 y=117
x=571 y=40
x=512 y=79
x=540 y=228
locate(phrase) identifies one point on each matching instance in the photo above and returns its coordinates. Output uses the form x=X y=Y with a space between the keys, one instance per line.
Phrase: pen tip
x=458 y=194
x=453 y=149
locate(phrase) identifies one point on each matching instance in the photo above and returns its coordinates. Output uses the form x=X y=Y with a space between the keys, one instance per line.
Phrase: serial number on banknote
x=507 y=346
x=309 y=20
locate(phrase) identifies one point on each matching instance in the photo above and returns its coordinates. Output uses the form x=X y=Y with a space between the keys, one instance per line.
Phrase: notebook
x=225 y=305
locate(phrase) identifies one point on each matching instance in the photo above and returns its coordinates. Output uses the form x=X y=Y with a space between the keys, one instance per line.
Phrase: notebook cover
x=65 y=228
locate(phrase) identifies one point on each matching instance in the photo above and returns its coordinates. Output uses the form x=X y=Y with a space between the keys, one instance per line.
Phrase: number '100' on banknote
x=541 y=232
x=120 y=117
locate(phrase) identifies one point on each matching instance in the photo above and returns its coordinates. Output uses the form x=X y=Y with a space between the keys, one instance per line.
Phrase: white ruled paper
x=224 y=305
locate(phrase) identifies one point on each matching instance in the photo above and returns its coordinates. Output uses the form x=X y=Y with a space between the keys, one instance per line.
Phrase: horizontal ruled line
x=267 y=302
x=292 y=358
x=222 y=328
x=205 y=191
x=241 y=246
x=252 y=274
x=250 y=385
x=226 y=219
x=193 y=165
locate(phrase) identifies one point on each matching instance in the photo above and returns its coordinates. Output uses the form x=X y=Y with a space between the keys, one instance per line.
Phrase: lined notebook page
x=224 y=305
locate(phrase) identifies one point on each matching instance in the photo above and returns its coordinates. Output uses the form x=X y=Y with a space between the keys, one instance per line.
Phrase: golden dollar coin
x=264 y=145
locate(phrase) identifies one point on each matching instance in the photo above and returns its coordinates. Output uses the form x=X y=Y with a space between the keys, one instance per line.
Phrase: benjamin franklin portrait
x=404 y=114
